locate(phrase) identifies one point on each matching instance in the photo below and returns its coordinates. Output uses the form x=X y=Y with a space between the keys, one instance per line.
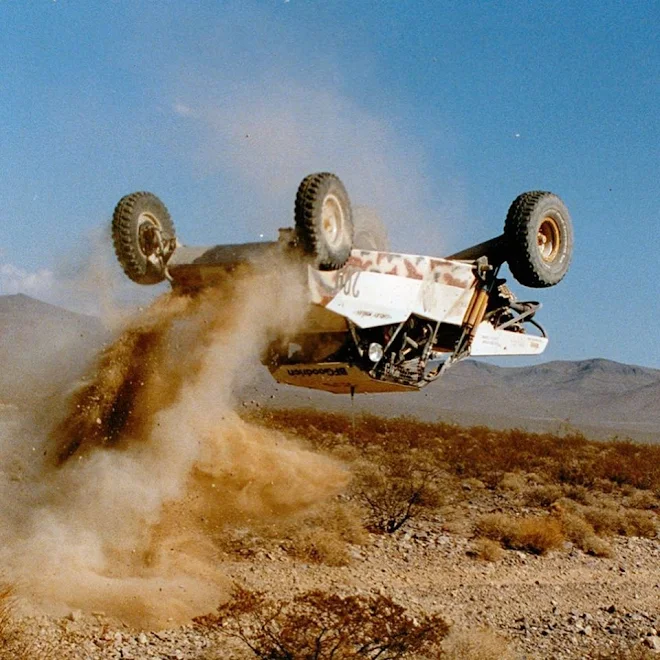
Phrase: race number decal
x=348 y=283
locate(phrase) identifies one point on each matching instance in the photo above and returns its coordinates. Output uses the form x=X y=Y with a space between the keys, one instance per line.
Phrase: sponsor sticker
x=318 y=371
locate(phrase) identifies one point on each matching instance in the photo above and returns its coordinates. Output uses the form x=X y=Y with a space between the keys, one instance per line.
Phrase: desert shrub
x=479 y=644
x=611 y=521
x=486 y=549
x=640 y=523
x=534 y=534
x=320 y=546
x=576 y=529
x=629 y=463
x=324 y=537
x=513 y=481
x=641 y=499
x=579 y=494
x=606 y=521
x=316 y=626
x=581 y=533
x=543 y=496
x=396 y=492
x=345 y=519
x=472 y=483
x=594 y=545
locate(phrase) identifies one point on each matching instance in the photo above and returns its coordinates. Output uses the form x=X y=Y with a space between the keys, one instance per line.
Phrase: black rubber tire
x=130 y=216
x=327 y=239
x=539 y=239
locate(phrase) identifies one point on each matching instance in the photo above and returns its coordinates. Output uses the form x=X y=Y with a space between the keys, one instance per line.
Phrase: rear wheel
x=539 y=239
x=143 y=236
x=324 y=221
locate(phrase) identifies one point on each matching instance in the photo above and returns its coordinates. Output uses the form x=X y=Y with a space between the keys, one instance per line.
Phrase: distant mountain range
x=43 y=346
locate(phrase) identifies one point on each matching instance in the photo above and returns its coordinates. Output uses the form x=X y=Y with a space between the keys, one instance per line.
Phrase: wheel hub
x=548 y=239
x=148 y=229
x=332 y=220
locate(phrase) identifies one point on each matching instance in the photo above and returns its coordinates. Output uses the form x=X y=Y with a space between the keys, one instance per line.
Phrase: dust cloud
x=112 y=501
x=370 y=230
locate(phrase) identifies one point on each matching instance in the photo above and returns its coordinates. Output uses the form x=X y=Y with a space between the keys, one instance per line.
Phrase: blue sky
x=438 y=114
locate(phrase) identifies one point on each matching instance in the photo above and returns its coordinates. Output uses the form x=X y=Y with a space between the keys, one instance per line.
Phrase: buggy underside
x=388 y=322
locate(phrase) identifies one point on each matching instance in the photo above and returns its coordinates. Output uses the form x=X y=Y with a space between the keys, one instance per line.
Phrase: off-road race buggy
x=378 y=321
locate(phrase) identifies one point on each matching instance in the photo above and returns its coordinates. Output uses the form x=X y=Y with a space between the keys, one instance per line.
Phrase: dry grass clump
x=584 y=495
x=543 y=496
x=610 y=521
x=513 y=481
x=486 y=549
x=535 y=534
x=480 y=644
x=323 y=626
x=642 y=499
x=320 y=546
x=326 y=537
x=582 y=534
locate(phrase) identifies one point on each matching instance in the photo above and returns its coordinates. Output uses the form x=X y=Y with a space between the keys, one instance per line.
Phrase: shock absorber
x=476 y=310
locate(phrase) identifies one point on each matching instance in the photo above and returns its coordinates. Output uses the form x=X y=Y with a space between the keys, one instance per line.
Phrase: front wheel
x=324 y=221
x=539 y=239
x=143 y=236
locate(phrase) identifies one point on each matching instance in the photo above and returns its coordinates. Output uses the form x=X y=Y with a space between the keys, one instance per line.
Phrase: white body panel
x=371 y=299
x=489 y=341
x=379 y=288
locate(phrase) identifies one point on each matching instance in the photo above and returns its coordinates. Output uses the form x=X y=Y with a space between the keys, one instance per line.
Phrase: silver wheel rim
x=332 y=220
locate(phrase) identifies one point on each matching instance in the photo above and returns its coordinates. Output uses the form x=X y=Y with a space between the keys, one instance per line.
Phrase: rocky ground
x=578 y=599
x=562 y=605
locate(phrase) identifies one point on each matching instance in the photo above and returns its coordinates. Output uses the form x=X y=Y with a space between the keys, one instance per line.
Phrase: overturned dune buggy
x=378 y=321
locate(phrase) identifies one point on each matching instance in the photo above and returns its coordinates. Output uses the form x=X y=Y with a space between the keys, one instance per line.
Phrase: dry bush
x=630 y=463
x=611 y=521
x=513 y=481
x=345 y=519
x=480 y=644
x=315 y=625
x=396 y=492
x=543 y=496
x=579 y=494
x=534 y=534
x=577 y=530
x=325 y=536
x=320 y=546
x=597 y=547
x=640 y=523
x=642 y=499
x=473 y=483
x=486 y=550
